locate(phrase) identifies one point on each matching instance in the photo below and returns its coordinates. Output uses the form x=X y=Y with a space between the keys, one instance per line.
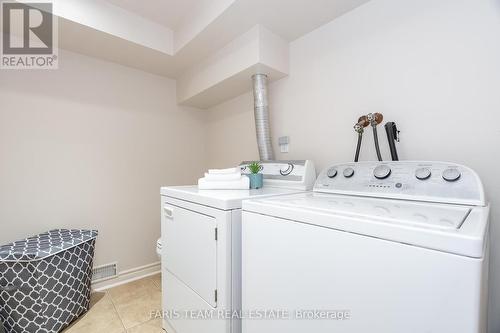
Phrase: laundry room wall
x=431 y=66
x=88 y=146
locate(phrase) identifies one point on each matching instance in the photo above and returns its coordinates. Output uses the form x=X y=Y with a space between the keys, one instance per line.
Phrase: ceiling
x=292 y=19
x=211 y=47
x=168 y=13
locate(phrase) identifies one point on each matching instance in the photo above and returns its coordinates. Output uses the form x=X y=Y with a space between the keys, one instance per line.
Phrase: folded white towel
x=223 y=171
x=222 y=177
x=241 y=184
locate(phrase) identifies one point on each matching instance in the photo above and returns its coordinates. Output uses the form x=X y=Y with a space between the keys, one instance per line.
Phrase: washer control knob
x=331 y=173
x=382 y=171
x=423 y=173
x=451 y=174
x=348 y=172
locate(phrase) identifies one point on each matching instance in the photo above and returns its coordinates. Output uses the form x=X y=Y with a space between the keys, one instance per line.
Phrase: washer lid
x=432 y=216
x=450 y=228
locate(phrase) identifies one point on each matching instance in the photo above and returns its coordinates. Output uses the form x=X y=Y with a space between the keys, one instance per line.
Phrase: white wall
x=431 y=66
x=88 y=146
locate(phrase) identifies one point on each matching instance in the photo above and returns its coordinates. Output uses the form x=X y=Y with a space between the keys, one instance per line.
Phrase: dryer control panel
x=294 y=174
x=410 y=180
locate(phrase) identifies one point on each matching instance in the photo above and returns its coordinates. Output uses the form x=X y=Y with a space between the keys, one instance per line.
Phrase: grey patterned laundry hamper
x=45 y=280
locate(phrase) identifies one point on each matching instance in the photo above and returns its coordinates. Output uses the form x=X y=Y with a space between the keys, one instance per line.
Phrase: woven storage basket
x=45 y=280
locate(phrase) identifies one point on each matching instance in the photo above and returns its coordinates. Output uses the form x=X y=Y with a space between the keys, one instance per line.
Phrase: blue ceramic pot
x=256 y=180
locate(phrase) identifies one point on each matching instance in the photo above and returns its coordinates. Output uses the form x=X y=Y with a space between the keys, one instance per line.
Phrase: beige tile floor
x=128 y=308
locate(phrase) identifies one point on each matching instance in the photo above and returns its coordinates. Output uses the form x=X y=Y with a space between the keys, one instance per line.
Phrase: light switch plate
x=284 y=143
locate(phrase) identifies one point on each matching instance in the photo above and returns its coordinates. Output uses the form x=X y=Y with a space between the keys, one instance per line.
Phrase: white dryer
x=397 y=247
x=201 y=248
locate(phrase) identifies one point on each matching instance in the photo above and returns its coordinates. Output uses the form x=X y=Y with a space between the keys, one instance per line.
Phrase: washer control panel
x=411 y=180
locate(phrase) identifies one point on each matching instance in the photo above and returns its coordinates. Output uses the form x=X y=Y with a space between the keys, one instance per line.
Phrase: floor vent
x=104 y=272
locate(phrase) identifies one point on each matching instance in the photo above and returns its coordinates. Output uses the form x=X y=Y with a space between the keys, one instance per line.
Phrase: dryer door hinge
x=216 y=233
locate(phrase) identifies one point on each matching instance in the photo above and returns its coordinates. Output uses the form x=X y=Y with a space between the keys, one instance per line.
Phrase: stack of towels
x=224 y=179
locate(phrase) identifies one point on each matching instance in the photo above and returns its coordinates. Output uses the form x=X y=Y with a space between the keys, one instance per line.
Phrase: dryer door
x=191 y=250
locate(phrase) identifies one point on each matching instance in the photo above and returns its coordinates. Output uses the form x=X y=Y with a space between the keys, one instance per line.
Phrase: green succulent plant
x=254 y=167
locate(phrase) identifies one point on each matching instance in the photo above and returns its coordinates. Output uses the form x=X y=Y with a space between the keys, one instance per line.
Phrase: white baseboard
x=128 y=276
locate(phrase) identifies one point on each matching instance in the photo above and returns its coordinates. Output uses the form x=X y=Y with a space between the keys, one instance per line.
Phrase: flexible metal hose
x=261 y=113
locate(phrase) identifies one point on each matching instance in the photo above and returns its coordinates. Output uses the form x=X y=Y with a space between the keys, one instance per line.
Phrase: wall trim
x=127 y=276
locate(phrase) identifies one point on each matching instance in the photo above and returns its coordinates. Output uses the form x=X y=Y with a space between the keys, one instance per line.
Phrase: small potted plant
x=256 y=178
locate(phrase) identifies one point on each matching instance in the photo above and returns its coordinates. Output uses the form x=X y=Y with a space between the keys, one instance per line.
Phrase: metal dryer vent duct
x=261 y=113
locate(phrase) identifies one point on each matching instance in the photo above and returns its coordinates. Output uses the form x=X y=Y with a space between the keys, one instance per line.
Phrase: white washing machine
x=201 y=248
x=397 y=247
